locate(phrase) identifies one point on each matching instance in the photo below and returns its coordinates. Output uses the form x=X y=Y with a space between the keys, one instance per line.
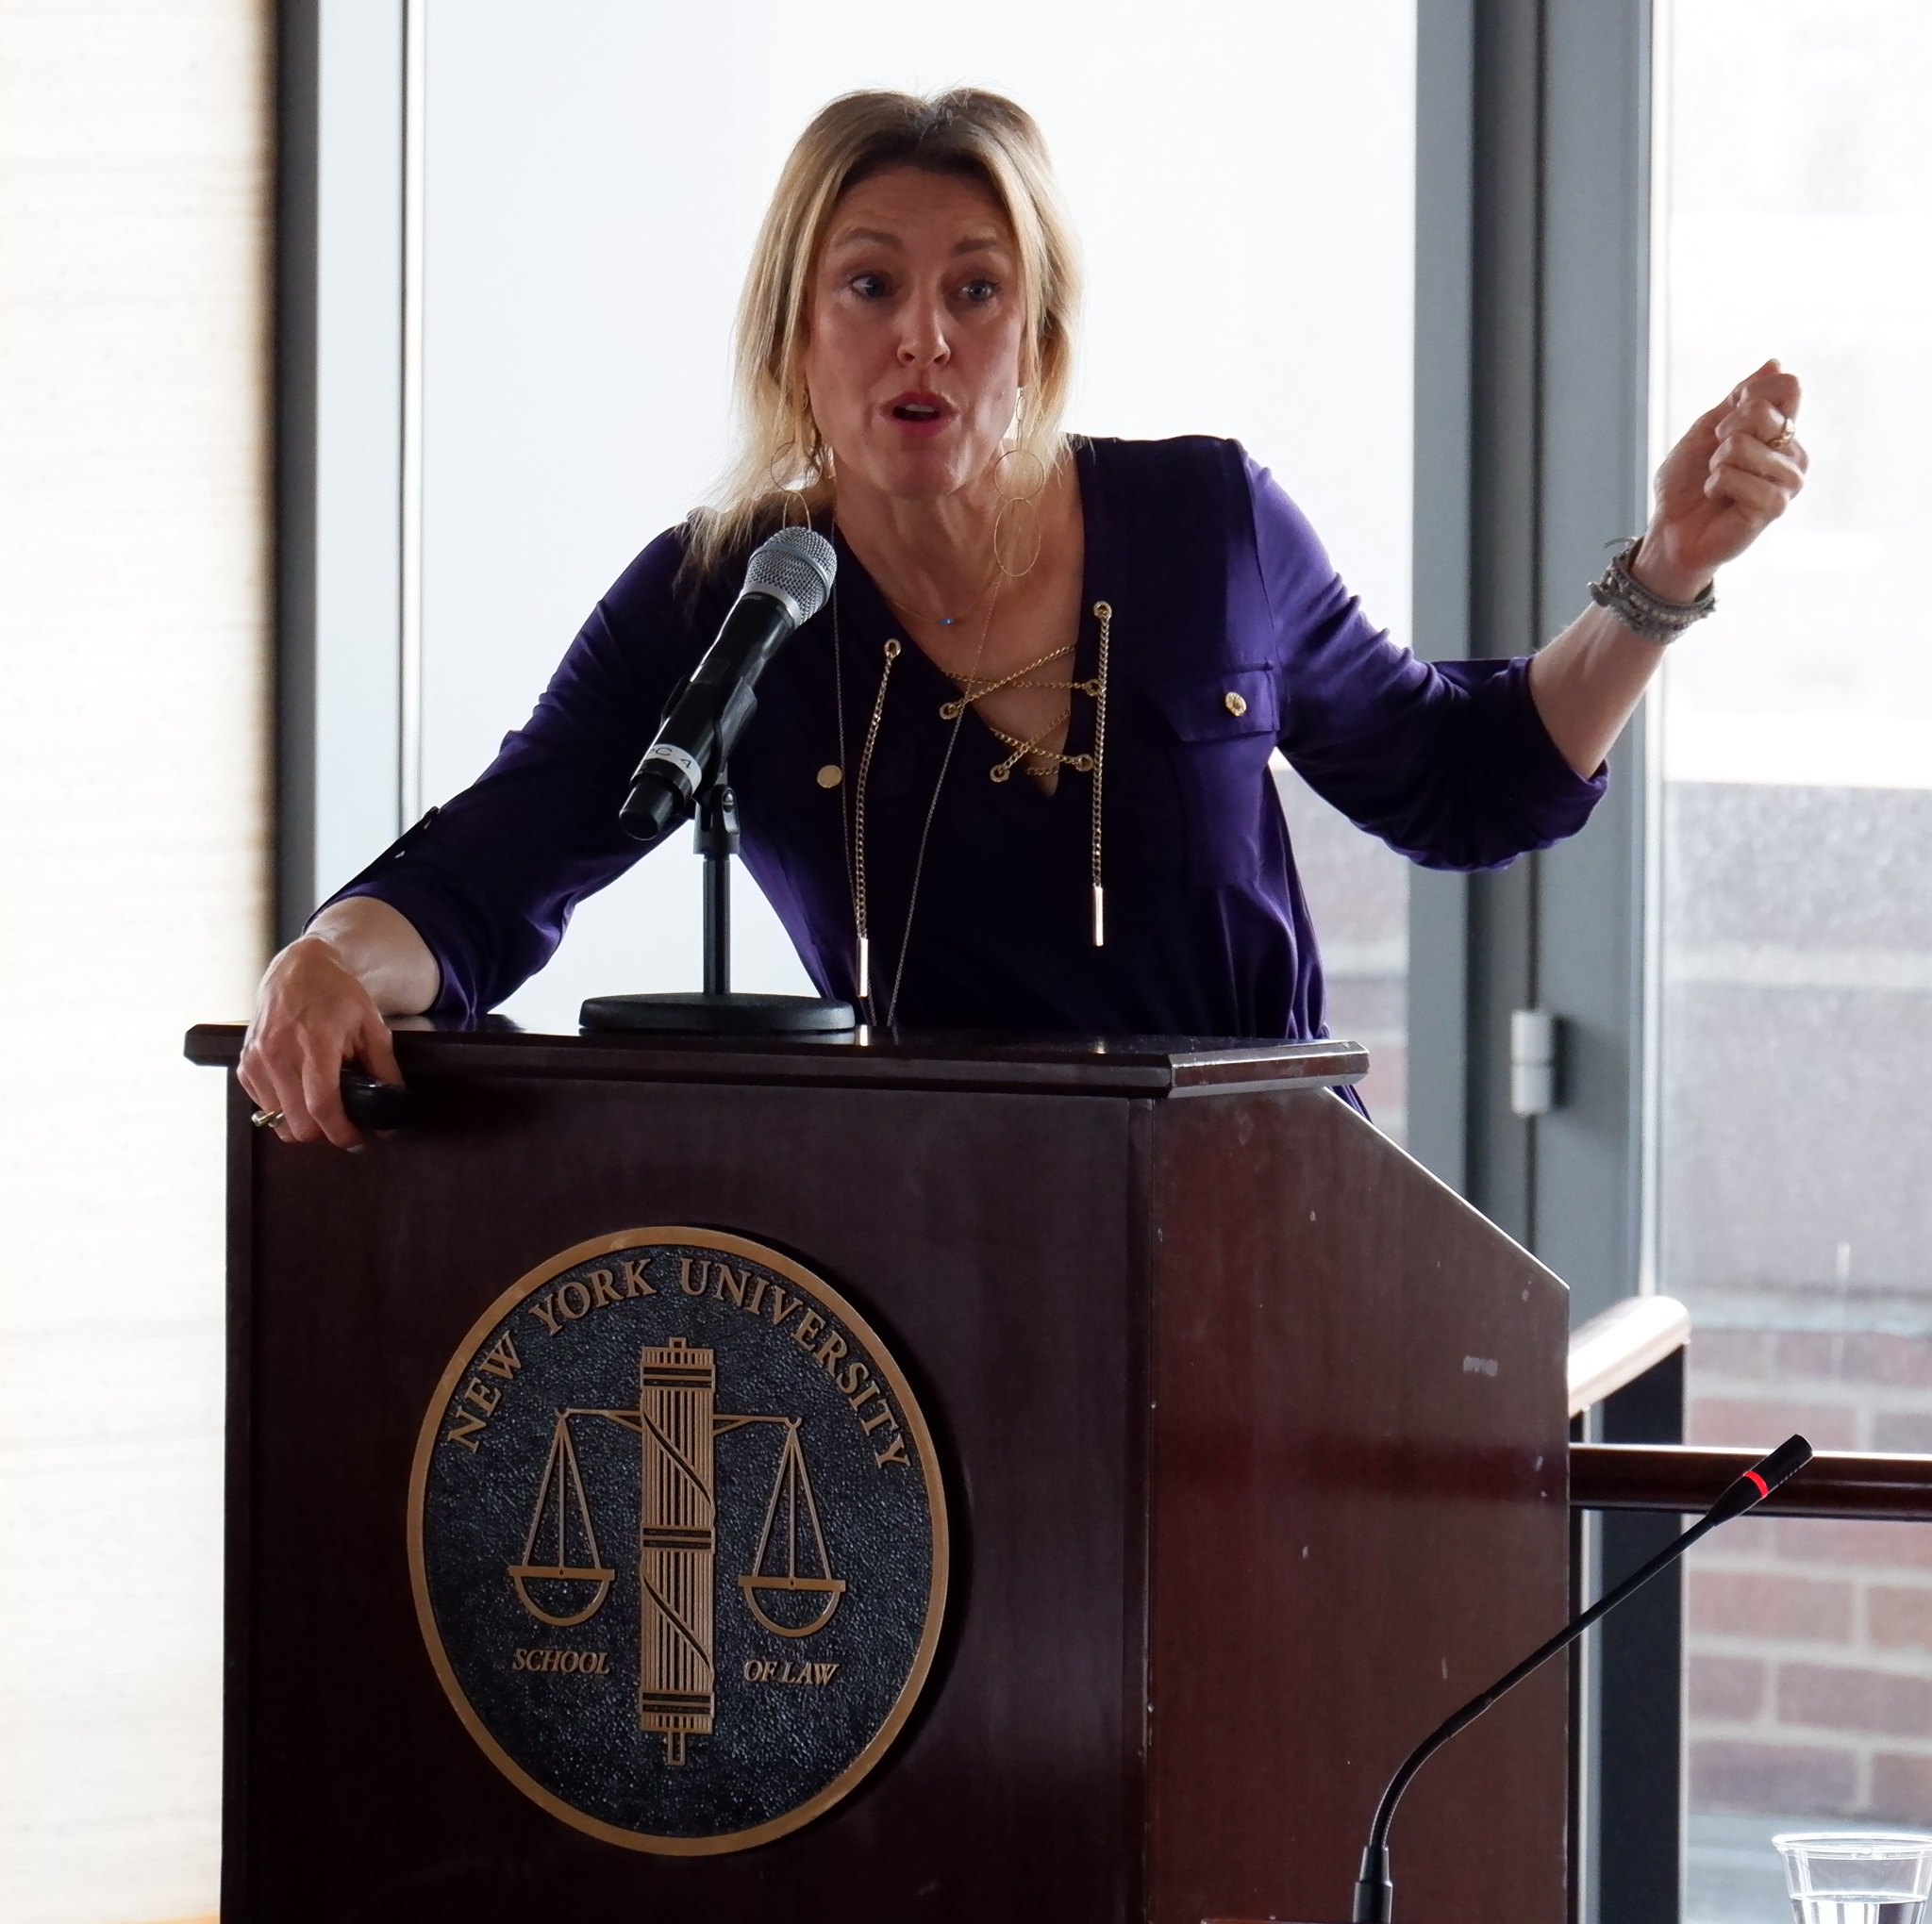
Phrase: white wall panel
x=134 y=150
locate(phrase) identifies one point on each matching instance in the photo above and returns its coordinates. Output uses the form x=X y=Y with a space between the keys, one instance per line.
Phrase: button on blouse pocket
x=1225 y=722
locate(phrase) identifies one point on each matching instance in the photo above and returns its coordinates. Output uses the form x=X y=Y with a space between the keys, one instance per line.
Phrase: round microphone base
x=717 y=1015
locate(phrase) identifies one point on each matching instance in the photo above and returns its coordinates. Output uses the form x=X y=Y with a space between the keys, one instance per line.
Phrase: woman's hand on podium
x=321 y=1006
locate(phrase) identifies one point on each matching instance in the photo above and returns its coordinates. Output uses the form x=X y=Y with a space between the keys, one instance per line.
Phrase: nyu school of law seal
x=679 y=1540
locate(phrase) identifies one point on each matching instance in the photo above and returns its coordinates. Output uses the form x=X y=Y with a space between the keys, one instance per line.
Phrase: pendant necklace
x=862 y=907
x=974 y=688
x=991 y=581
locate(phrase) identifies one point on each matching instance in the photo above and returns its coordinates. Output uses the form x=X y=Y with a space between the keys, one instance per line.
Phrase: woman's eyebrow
x=878 y=237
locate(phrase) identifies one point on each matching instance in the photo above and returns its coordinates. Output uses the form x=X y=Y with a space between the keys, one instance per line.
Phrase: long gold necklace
x=1095 y=688
x=862 y=904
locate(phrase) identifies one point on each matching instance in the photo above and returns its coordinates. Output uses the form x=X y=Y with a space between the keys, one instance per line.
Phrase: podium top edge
x=1118 y=1066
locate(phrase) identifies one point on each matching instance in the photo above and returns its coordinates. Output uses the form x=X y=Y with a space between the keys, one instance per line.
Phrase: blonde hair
x=979 y=137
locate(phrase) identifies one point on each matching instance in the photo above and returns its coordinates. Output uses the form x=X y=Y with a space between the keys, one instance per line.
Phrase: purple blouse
x=1231 y=634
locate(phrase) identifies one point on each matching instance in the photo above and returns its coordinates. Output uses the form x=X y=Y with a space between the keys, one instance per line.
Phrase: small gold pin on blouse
x=831 y=775
x=1234 y=704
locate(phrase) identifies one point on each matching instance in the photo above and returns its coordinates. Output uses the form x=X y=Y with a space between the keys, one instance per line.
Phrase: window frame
x=1531 y=447
x=1532 y=444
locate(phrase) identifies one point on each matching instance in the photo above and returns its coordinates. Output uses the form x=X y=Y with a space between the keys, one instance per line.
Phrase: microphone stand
x=716 y=841
x=1374 y=1890
x=717 y=1011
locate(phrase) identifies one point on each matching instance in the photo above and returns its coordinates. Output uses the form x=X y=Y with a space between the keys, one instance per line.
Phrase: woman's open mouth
x=918 y=410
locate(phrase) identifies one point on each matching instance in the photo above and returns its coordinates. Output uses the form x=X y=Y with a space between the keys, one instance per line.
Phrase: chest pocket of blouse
x=1225 y=723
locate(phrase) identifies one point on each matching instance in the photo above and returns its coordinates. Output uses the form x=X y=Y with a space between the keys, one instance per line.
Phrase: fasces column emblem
x=679 y=1540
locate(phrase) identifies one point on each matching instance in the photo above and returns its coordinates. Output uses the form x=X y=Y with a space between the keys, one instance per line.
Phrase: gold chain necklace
x=1103 y=613
x=1043 y=761
x=1039 y=761
x=1095 y=688
x=861 y=902
x=977 y=689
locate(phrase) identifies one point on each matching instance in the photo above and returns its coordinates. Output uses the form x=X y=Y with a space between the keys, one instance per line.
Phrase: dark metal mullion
x=1585 y=1585
x=294 y=441
x=1592 y=430
x=1532 y=129
x=1532 y=326
x=1639 y=1867
x=1478 y=547
x=1592 y=413
x=1440 y=990
x=1507 y=487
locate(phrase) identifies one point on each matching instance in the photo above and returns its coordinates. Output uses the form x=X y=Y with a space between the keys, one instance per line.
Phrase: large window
x=1241 y=178
x=1358 y=892
x=1794 y=199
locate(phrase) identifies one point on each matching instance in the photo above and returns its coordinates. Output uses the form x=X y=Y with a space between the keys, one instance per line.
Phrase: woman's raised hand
x=1740 y=467
x=320 y=1007
x=1737 y=470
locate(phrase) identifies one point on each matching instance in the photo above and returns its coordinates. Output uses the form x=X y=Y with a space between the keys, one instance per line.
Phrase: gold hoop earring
x=795 y=471
x=1016 y=529
x=999 y=474
x=782 y=473
x=1021 y=432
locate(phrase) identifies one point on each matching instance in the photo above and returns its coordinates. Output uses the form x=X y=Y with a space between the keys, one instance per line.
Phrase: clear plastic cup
x=1856 y=1877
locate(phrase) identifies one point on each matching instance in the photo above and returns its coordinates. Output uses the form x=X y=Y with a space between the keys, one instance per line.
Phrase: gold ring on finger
x=267 y=1118
x=1786 y=435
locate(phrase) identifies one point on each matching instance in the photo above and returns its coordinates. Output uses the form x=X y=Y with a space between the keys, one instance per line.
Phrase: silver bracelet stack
x=1643 y=612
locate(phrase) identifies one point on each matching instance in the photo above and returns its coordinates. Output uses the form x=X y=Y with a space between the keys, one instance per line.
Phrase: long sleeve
x=489 y=880
x=1447 y=762
x=1230 y=634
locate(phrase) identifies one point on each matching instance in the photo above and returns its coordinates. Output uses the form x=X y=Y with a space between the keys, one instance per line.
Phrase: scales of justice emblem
x=680 y=1627
x=677 y=1423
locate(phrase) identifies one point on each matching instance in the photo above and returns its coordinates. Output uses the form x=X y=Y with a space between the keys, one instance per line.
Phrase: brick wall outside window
x=1809 y=1642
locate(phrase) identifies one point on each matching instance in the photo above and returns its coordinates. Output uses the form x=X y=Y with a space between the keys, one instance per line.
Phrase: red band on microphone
x=1763 y=1488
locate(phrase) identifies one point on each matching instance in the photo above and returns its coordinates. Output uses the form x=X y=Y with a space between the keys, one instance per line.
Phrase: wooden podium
x=1252 y=1438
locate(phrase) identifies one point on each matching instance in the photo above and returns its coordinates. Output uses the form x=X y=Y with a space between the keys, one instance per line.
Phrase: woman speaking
x=1015 y=775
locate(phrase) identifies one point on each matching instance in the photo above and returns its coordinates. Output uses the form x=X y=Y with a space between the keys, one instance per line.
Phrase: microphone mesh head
x=795 y=565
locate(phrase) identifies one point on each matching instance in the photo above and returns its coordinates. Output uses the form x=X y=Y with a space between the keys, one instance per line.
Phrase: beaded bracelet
x=1643 y=612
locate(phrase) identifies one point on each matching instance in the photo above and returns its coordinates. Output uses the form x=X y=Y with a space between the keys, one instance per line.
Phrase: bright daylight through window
x=576 y=407
x=1797 y=910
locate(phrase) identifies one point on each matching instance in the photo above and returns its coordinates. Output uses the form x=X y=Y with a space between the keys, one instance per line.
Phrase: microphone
x=1374 y=1890
x=785 y=584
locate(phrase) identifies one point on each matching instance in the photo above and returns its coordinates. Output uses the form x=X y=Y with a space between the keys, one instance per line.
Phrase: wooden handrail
x=1616 y=1347
x=1683 y=1477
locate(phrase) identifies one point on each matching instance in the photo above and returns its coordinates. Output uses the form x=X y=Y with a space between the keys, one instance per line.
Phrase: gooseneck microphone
x=785 y=584
x=1375 y=1891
